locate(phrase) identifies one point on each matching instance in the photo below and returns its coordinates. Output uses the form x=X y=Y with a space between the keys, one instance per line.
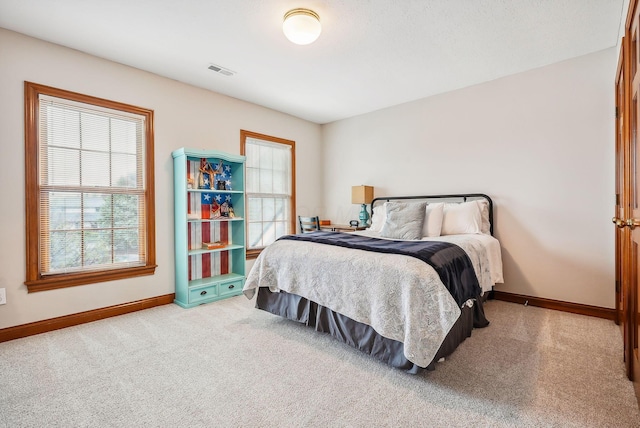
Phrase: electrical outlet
x=3 y=296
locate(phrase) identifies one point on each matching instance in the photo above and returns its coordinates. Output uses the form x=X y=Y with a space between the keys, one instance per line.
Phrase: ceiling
x=371 y=54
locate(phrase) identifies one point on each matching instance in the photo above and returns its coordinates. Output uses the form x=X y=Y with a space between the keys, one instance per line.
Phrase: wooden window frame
x=35 y=281
x=254 y=253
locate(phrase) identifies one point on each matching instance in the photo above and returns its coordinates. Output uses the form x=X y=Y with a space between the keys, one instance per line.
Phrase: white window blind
x=91 y=187
x=269 y=176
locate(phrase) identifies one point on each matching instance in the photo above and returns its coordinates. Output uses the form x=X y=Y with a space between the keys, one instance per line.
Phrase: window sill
x=253 y=254
x=71 y=280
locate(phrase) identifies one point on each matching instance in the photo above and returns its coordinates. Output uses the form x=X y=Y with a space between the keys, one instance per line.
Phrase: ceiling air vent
x=221 y=70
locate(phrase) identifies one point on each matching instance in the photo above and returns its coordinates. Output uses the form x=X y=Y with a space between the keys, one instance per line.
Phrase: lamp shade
x=361 y=194
x=301 y=26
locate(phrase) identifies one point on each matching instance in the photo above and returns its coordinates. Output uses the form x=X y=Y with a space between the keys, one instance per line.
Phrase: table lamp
x=362 y=195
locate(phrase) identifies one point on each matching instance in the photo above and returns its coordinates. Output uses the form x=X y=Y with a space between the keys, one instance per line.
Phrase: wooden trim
x=54 y=282
x=620 y=197
x=627 y=193
x=33 y=213
x=44 y=326
x=253 y=253
x=630 y=12
x=150 y=189
x=574 y=308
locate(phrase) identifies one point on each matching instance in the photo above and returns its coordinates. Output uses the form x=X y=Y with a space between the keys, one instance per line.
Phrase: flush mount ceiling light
x=301 y=26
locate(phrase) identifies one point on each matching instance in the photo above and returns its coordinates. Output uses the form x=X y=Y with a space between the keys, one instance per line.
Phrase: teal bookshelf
x=209 y=229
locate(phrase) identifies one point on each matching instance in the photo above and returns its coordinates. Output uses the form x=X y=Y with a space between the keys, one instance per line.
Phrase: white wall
x=184 y=116
x=540 y=143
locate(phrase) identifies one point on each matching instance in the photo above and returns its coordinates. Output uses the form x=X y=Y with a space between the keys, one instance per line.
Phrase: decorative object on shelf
x=207 y=179
x=189 y=183
x=362 y=195
x=232 y=213
x=215 y=210
x=301 y=26
x=206 y=174
x=217 y=181
x=213 y=245
x=224 y=209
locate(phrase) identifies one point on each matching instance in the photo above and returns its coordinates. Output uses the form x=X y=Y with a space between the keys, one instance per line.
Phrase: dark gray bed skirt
x=362 y=336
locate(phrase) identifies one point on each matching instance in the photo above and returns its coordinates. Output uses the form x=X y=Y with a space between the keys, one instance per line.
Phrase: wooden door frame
x=631 y=143
x=620 y=171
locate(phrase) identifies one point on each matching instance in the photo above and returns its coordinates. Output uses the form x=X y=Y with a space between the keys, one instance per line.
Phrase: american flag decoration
x=199 y=206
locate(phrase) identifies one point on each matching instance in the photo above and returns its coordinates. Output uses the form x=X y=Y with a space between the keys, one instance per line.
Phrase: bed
x=407 y=291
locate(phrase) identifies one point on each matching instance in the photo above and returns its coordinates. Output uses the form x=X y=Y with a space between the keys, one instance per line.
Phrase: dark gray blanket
x=449 y=260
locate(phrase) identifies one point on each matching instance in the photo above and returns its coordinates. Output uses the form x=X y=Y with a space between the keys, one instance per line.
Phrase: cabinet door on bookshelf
x=209 y=225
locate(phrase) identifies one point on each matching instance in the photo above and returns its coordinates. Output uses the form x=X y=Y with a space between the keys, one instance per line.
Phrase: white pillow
x=433 y=220
x=483 y=205
x=378 y=218
x=461 y=218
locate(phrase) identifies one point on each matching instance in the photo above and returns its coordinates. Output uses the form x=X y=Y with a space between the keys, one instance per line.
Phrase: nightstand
x=341 y=227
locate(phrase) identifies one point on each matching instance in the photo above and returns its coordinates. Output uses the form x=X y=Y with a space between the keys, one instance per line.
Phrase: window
x=270 y=189
x=89 y=189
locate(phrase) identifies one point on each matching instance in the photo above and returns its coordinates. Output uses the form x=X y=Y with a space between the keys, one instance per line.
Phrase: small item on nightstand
x=325 y=222
x=354 y=223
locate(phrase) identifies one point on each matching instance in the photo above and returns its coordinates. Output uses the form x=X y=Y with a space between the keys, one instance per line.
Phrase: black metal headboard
x=450 y=198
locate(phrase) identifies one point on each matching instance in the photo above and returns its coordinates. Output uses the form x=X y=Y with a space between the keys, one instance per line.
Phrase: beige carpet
x=228 y=364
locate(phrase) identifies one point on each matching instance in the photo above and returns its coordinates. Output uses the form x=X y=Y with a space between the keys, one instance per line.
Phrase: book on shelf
x=213 y=245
